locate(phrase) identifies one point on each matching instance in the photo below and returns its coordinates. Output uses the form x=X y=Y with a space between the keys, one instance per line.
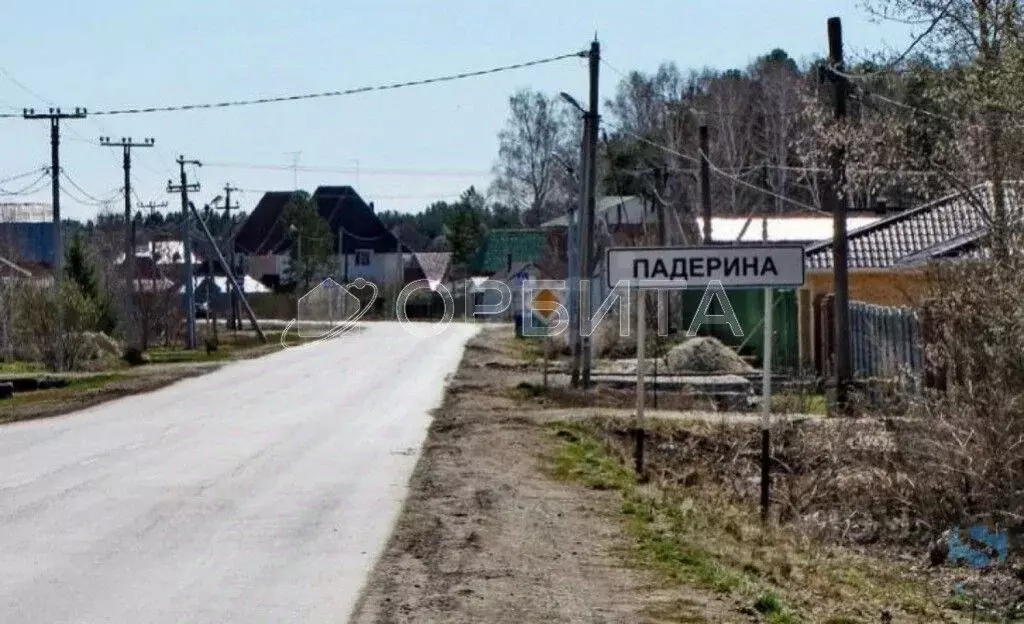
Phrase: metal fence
x=884 y=341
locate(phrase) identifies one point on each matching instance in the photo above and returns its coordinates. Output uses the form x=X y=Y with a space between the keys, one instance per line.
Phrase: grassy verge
x=118 y=380
x=85 y=392
x=694 y=538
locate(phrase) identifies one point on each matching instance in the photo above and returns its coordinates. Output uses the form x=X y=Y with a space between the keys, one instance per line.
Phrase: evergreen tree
x=79 y=270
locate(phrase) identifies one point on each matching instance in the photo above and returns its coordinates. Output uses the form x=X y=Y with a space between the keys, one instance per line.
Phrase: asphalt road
x=262 y=492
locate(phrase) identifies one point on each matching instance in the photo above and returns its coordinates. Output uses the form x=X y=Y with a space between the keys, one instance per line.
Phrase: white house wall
x=386 y=268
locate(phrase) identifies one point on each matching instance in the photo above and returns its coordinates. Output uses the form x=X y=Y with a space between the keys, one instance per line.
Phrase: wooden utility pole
x=186 y=240
x=236 y=320
x=837 y=197
x=587 y=251
x=55 y=116
x=129 y=231
x=705 y=183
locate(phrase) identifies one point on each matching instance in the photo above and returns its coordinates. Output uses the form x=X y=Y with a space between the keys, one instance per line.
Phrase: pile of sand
x=705 y=355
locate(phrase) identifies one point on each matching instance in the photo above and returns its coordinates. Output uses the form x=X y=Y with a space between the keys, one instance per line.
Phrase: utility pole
x=126 y=144
x=586 y=252
x=152 y=207
x=578 y=223
x=705 y=183
x=55 y=116
x=186 y=240
x=228 y=207
x=838 y=199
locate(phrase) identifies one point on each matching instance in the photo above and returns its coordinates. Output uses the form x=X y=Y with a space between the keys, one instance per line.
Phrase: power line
x=68 y=179
x=719 y=171
x=322 y=169
x=23 y=175
x=328 y=94
x=31 y=187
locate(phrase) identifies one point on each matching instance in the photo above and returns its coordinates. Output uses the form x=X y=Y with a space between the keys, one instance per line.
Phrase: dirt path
x=488 y=535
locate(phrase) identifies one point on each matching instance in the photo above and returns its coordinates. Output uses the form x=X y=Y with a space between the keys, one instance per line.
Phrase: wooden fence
x=885 y=342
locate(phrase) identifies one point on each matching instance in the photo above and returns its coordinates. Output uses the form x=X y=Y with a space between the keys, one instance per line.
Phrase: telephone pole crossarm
x=55 y=115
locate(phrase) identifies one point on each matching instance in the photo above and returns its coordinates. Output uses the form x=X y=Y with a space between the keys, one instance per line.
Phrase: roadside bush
x=52 y=325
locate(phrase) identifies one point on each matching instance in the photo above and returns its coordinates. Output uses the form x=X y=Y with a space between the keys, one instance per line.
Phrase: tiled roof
x=942 y=227
x=522 y=245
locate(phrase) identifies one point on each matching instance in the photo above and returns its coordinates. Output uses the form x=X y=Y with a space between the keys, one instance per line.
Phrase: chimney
x=371 y=208
x=881 y=205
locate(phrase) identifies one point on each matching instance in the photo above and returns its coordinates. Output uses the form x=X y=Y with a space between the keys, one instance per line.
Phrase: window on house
x=363 y=257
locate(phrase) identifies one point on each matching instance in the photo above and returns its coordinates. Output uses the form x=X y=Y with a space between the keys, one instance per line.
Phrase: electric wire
x=32 y=187
x=329 y=94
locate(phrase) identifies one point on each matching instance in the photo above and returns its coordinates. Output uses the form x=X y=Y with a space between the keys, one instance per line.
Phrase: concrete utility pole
x=838 y=199
x=578 y=224
x=55 y=116
x=587 y=248
x=186 y=240
x=129 y=234
x=236 y=321
x=705 y=183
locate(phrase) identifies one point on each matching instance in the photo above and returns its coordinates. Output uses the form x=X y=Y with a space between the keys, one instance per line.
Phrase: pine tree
x=82 y=273
x=79 y=270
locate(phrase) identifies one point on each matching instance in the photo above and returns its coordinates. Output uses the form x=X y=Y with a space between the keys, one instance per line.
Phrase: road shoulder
x=490 y=534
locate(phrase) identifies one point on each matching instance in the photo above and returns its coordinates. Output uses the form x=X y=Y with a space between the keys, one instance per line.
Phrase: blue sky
x=441 y=138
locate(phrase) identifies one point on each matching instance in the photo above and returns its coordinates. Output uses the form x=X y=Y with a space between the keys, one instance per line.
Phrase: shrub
x=52 y=324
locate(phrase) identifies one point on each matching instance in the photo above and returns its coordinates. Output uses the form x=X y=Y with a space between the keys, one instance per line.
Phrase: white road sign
x=738 y=266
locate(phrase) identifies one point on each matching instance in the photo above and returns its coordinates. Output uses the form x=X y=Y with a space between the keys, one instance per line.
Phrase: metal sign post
x=736 y=266
x=641 y=342
x=766 y=405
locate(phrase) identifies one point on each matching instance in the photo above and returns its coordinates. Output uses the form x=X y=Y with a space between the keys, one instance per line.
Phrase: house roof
x=354 y=222
x=263 y=231
x=249 y=284
x=946 y=226
x=523 y=245
x=615 y=210
x=164 y=252
x=789 y=228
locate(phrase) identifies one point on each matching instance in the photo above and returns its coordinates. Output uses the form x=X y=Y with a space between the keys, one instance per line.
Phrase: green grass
x=694 y=539
x=663 y=533
x=16 y=368
x=797 y=404
x=76 y=386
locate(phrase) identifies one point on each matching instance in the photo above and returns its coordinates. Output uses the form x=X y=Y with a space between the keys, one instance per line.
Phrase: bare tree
x=979 y=96
x=536 y=136
x=778 y=86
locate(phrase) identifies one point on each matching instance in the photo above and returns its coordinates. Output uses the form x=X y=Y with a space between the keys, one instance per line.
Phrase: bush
x=51 y=325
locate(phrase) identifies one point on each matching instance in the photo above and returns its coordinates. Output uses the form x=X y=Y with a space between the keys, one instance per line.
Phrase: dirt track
x=487 y=535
